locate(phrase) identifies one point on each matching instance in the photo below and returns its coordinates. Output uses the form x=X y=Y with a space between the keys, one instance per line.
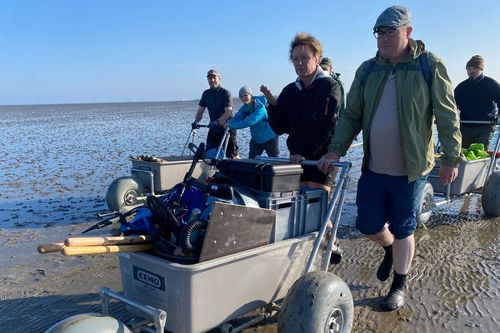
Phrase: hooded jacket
x=418 y=107
x=256 y=118
x=308 y=116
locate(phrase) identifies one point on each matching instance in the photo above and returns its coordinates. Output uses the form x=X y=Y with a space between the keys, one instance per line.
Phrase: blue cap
x=393 y=17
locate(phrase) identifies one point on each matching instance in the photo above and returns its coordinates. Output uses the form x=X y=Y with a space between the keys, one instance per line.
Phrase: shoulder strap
x=367 y=70
x=423 y=64
x=424 y=61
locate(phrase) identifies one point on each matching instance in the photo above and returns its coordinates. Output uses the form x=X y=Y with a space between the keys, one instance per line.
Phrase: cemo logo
x=149 y=278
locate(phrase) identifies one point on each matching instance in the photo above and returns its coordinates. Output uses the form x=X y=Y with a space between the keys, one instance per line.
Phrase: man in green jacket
x=395 y=107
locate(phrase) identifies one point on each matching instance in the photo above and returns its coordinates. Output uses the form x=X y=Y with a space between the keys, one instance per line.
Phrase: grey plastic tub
x=166 y=173
x=202 y=296
x=471 y=176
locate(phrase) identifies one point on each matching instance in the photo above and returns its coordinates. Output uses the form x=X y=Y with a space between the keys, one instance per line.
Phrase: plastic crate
x=298 y=214
x=166 y=173
x=471 y=176
x=259 y=176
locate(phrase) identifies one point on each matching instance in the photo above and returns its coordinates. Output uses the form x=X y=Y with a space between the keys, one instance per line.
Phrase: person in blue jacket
x=253 y=114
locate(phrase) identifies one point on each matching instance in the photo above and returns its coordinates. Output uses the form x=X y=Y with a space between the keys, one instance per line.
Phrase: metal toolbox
x=471 y=176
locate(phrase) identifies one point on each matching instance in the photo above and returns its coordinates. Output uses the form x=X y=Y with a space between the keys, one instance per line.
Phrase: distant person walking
x=306 y=109
x=478 y=99
x=392 y=103
x=220 y=109
x=253 y=114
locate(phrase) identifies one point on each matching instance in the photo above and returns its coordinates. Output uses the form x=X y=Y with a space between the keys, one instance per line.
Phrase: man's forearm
x=225 y=116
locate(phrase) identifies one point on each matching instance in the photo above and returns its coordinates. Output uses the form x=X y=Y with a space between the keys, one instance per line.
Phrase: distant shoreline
x=99 y=103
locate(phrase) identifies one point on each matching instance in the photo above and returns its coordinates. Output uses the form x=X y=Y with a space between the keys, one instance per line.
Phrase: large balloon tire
x=426 y=203
x=123 y=192
x=319 y=302
x=490 y=199
x=89 y=322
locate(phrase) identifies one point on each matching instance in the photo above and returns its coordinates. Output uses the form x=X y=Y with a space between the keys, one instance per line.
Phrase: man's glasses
x=391 y=32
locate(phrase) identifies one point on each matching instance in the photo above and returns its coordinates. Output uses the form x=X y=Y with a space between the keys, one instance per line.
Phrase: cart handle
x=159 y=316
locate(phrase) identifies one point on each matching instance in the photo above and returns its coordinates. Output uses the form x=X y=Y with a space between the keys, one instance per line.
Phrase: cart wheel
x=124 y=191
x=425 y=209
x=318 y=302
x=491 y=195
x=89 y=322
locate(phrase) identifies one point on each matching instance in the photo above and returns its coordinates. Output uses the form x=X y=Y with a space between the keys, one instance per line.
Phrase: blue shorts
x=388 y=199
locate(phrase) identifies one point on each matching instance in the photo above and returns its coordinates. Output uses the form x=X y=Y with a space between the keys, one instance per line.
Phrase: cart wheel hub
x=130 y=198
x=335 y=321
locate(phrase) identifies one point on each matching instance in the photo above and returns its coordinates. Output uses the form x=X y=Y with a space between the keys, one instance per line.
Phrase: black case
x=262 y=176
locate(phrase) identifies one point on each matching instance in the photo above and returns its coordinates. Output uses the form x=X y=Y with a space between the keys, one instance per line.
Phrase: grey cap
x=393 y=17
x=245 y=89
x=213 y=71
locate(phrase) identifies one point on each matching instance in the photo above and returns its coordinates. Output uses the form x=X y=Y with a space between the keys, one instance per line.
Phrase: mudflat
x=454 y=283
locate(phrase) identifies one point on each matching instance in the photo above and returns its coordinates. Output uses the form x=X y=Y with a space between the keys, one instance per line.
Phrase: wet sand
x=454 y=281
x=58 y=165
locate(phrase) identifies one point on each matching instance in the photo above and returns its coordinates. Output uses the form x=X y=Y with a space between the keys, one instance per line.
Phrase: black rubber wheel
x=123 y=192
x=318 y=302
x=426 y=203
x=491 y=195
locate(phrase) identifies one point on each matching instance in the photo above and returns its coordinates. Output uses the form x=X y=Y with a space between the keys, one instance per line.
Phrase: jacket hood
x=320 y=73
x=260 y=100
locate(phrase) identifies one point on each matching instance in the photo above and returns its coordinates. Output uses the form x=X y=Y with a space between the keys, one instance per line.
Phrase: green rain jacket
x=418 y=107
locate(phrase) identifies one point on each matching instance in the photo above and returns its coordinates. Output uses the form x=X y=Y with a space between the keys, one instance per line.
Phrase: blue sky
x=78 y=51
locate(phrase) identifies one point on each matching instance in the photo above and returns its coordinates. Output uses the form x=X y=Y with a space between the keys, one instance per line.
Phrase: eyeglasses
x=391 y=32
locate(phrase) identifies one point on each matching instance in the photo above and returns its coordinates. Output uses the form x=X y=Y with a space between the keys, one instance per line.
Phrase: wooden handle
x=78 y=250
x=49 y=248
x=110 y=240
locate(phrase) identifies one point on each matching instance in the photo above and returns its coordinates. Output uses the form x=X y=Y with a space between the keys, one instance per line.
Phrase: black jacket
x=475 y=98
x=307 y=115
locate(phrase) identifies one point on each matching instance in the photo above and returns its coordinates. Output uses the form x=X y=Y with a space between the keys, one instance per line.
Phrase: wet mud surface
x=454 y=283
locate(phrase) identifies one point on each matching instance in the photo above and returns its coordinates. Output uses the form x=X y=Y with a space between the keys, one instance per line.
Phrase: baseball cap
x=213 y=72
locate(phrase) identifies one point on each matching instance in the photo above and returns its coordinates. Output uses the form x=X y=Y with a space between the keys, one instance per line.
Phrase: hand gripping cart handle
x=192 y=147
x=334 y=208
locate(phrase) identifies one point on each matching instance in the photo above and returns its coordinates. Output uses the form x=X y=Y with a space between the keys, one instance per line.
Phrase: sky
x=92 y=51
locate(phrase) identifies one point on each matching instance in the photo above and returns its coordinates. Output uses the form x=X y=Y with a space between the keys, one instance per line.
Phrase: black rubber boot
x=385 y=268
x=336 y=256
x=396 y=296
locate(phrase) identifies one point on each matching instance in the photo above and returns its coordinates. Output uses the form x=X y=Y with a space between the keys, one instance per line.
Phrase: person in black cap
x=393 y=105
x=478 y=99
x=220 y=109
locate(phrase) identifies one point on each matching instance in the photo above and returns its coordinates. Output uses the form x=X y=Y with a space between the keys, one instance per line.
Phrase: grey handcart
x=286 y=277
x=156 y=175
x=481 y=176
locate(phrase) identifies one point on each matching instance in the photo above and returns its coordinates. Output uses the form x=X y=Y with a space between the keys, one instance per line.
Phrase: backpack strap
x=423 y=64
x=424 y=61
